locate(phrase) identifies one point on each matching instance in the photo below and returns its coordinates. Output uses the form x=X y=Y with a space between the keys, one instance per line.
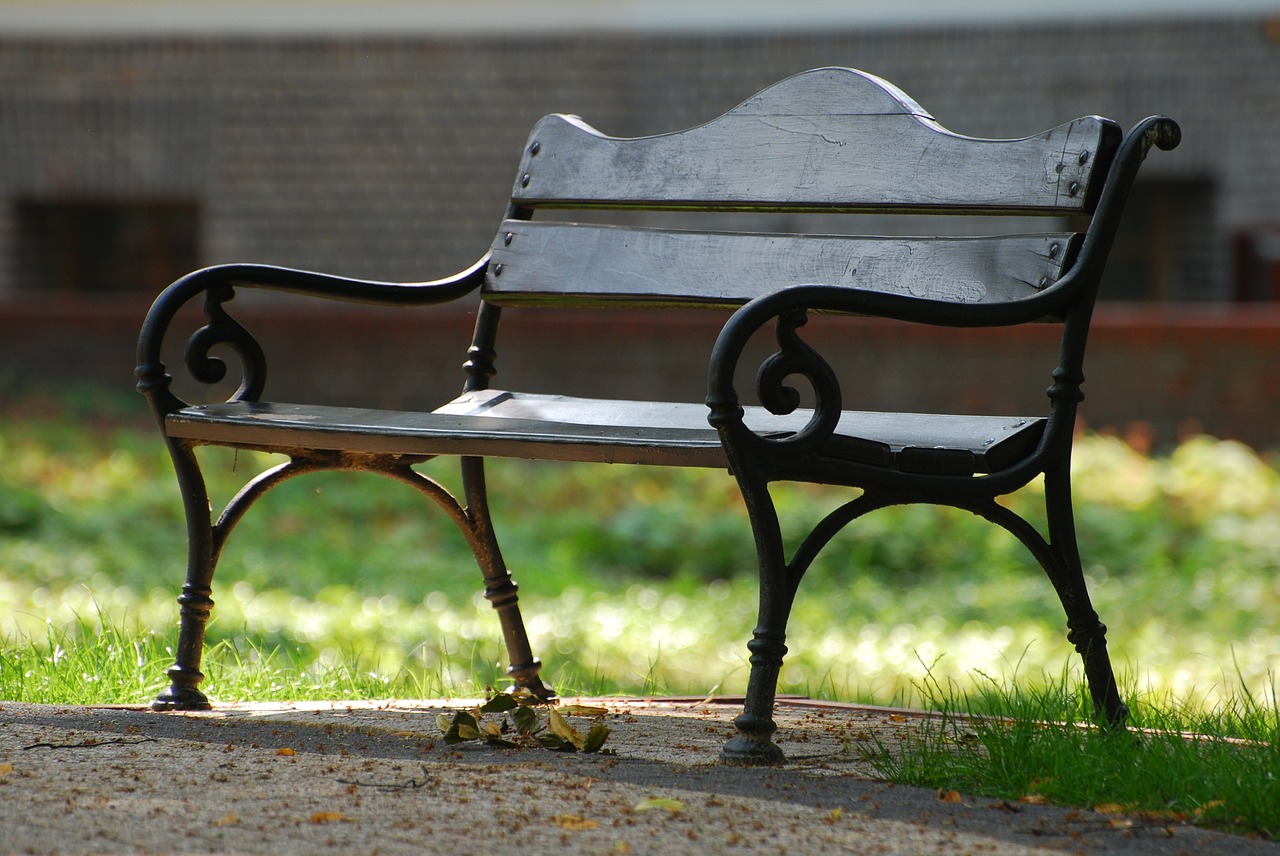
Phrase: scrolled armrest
x=217 y=286
x=790 y=307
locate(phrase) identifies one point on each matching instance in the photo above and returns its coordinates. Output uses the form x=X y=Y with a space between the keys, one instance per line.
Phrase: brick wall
x=392 y=158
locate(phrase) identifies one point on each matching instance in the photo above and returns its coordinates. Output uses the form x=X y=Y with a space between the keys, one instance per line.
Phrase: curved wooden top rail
x=826 y=139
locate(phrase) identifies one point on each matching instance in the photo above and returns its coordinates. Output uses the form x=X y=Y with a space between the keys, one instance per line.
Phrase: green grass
x=641 y=580
x=1216 y=767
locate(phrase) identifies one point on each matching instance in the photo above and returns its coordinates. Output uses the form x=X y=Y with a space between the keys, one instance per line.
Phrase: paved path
x=356 y=778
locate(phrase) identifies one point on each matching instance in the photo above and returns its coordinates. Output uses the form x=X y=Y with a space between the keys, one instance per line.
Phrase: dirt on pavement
x=377 y=778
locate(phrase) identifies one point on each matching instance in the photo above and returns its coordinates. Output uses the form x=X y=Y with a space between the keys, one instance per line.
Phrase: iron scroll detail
x=796 y=358
x=222 y=329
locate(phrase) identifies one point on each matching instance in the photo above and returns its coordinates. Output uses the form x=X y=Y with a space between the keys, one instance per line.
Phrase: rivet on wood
x=1084 y=158
x=497 y=270
x=524 y=180
x=1054 y=249
x=535 y=148
x=1073 y=188
x=510 y=236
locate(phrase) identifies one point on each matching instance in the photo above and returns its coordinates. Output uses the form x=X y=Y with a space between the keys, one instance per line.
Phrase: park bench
x=831 y=141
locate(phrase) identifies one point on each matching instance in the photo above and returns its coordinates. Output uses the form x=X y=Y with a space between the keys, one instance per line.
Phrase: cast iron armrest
x=790 y=307
x=217 y=286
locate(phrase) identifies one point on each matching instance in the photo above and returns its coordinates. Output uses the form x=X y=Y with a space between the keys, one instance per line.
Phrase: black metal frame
x=758 y=460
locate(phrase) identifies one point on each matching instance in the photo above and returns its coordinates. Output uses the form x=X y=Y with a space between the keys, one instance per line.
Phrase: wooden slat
x=286 y=427
x=537 y=261
x=496 y=423
x=884 y=439
x=825 y=139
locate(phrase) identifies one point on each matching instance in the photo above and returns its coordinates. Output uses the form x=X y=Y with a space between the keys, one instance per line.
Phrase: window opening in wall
x=1165 y=249
x=1257 y=264
x=104 y=246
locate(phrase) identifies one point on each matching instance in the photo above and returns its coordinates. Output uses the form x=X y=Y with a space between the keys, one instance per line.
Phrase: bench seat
x=497 y=423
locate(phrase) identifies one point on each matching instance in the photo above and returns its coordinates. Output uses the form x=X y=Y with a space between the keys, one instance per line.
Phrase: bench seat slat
x=560 y=263
x=504 y=424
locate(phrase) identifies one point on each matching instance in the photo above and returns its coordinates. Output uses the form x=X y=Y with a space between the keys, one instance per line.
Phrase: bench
x=830 y=141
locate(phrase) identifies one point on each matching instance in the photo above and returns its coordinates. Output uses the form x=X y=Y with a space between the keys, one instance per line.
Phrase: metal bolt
x=507 y=238
x=1084 y=158
x=1054 y=249
x=1073 y=188
x=497 y=270
x=524 y=180
x=535 y=148
x=1044 y=280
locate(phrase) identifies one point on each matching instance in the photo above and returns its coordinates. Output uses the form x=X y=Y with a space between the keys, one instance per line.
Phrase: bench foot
x=1091 y=643
x=182 y=695
x=526 y=678
x=744 y=751
x=753 y=744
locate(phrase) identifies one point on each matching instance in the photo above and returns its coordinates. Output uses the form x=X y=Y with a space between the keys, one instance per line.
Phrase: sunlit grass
x=1216 y=766
x=633 y=578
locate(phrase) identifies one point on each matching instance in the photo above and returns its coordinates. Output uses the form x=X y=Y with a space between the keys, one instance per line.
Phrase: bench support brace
x=779 y=579
x=205 y=540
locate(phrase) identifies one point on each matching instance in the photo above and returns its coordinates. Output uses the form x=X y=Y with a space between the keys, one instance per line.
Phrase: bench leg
x=499 y=588
x=1085 y=631
x=753 y=744
x=196 y=600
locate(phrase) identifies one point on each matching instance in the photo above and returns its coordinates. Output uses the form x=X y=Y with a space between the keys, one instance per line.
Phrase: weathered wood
x=496 y=423
x=559 y=263
x=825 y=139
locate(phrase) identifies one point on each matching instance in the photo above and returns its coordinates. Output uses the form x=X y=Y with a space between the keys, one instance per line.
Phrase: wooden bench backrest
x=829 y=140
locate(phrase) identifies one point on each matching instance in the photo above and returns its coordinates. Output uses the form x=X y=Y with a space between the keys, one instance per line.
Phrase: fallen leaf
x=835 y=815
x=561 y=728
x=622 y=847
x=330 y=817
x=1109 y=808
x=574 y=822
x=651 y=803
x=5 y=769
x=524 y=719
x=1034 y=799
x=1197 y=811
x=286 y=752
x=582 y=710
x=499 y=704
x=523 y=695
x=951 y=796
x=596 y=737
x=227 y=820
x=555 y=744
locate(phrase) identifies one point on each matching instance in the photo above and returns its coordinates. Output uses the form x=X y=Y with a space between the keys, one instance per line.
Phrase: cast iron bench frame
x=826 y=141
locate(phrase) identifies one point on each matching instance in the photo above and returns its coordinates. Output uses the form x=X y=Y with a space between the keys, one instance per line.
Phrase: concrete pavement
x=376 y=778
